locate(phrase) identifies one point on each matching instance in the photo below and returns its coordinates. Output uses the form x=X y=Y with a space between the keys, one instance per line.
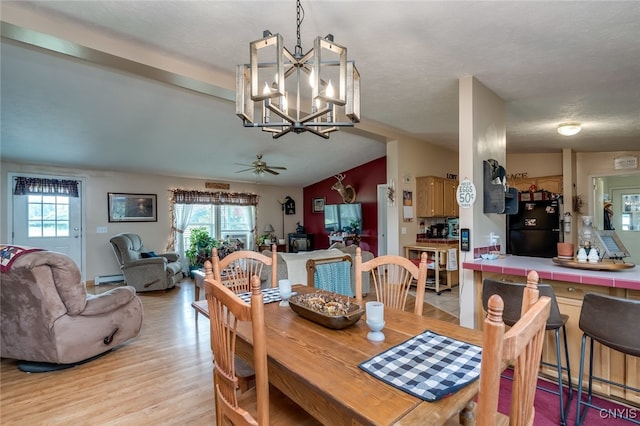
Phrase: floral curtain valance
x=217 y=198
x=27 y=185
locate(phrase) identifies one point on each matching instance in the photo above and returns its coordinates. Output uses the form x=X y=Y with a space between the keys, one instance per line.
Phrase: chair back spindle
x=392 y=277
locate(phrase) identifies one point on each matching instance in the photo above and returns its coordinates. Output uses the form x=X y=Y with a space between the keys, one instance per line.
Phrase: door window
x=48 y=216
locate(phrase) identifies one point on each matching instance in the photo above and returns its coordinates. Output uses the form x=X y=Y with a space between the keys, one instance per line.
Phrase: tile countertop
x=546 y=269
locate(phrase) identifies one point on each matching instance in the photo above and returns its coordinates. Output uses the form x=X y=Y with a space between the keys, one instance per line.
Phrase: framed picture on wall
x=125 y=207
x=318 y=204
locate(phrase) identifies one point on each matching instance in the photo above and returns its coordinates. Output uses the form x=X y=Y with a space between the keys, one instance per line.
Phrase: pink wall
x=364 y=179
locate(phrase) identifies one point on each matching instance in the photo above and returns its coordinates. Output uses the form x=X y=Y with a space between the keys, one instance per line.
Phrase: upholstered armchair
x=143 y=269
x=47 y=316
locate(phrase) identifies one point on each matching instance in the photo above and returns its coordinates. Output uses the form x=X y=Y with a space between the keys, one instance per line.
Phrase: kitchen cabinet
x=436 y=197
x=449 y=195
x=547 y=183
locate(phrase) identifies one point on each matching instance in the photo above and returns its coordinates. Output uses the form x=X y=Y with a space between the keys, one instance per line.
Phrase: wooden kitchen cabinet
x=547 y=183
x=449 y=195
x=436 y=197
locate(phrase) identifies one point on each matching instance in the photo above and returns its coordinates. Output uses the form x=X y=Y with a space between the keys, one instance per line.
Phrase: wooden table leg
x=468 y=414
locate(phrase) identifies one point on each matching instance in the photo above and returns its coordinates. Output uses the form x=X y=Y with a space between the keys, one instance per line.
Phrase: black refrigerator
x=535 y=229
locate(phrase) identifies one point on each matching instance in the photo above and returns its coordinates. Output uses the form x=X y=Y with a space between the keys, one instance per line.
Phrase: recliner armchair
x=48 y=317
x=142 y=269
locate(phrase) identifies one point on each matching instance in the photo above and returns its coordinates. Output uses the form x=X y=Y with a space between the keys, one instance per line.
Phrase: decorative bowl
x=490 y=256
x=350 y=313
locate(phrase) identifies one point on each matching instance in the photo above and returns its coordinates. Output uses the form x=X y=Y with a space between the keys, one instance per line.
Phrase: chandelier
x=281 y=92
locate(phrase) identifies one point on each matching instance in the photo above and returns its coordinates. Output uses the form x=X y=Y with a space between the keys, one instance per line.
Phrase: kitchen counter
x=570 y=285
x=432 y=241
x=547 y=270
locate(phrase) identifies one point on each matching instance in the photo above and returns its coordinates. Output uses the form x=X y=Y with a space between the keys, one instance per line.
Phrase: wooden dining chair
x=522 y=345
x=392 y=277
x=511 y=294
x=236 y=269
x=264 y=404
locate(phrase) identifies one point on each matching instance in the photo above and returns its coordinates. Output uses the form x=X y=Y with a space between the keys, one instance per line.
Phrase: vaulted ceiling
x=149 y=86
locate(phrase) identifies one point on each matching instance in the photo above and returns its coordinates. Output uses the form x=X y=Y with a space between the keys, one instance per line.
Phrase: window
x=630 y=212
x=48 y=216
x=223 y=221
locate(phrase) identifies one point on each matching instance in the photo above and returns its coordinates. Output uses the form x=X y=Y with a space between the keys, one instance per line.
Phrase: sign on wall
x=466 y=194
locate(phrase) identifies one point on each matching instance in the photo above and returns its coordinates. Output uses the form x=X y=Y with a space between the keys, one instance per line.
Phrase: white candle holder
x=375 y=320
x=285 y=291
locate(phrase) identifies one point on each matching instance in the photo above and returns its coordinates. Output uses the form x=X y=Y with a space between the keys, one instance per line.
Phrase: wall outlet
x=101 y=230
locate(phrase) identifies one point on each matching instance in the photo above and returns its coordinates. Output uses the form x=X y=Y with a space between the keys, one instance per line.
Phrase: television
x=343 y=218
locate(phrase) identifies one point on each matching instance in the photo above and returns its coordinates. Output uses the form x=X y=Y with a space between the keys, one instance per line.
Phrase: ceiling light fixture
x=316 y=92
x=569 y=129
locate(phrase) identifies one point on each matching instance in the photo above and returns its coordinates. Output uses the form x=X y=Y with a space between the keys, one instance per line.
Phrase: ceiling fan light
x=569 y=129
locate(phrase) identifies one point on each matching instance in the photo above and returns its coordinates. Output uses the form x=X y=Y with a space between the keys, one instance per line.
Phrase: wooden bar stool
x=512 y=293
x=612 y=322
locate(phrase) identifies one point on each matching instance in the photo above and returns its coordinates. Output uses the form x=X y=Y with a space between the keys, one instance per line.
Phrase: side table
x=282 y=248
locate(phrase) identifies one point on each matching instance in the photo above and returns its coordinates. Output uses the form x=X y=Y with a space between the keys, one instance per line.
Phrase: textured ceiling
x=118 y=101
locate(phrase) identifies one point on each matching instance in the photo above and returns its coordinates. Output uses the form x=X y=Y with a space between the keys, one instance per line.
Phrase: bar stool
x=511 y=294
x=613 y=322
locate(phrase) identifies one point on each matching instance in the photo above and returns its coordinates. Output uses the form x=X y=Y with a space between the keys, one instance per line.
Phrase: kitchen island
x=570 y=285
x=442 y=261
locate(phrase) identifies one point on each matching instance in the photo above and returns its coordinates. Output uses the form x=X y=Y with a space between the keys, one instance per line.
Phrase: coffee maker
x=439 y=230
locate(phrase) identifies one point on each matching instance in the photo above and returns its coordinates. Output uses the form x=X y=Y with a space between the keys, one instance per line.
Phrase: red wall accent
x=365 y=179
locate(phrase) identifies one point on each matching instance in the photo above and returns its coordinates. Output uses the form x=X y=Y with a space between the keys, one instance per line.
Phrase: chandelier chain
x=299 y=19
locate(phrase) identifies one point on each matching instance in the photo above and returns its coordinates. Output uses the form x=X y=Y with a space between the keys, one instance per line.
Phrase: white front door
x=51 y=222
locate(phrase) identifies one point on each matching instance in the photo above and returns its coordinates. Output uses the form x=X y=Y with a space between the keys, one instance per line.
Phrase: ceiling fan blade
x=246 y=165
x=278 y=167
x=273 y=172
x=245 y=170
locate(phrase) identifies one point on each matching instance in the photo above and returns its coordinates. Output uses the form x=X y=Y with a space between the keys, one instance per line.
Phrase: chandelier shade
x=282 y=92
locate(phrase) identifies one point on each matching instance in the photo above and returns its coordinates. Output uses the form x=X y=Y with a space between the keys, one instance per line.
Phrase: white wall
x=482 y=136
x=100 y=259
x=535 y=165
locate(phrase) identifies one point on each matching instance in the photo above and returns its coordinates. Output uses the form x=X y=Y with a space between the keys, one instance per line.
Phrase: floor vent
x=108 y=279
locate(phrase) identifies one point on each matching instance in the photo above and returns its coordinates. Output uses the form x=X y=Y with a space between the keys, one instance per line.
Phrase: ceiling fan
x=259 y=167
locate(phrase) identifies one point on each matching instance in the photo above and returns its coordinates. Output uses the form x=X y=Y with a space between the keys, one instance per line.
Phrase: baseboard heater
x=106 y=279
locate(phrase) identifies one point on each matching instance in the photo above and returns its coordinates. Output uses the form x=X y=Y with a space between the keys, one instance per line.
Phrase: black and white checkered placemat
x=428 y=366
x=269 y=295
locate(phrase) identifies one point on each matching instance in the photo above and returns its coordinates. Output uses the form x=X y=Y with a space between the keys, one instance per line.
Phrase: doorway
x=619 y=197
x=48 y=220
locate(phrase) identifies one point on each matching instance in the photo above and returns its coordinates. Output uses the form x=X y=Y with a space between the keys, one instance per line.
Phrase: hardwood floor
x=162 y=377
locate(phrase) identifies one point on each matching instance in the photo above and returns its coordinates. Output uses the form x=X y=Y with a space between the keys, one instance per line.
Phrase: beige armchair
x=48 y=321
x=143 y=269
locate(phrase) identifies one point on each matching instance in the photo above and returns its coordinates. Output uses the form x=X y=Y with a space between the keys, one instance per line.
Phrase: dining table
x=318 y=367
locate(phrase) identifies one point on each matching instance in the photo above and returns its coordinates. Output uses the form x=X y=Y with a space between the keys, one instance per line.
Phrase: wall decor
x=318 y=204
x=289 y=206
x=407 y=206
x=125 y=207
x=348 y=192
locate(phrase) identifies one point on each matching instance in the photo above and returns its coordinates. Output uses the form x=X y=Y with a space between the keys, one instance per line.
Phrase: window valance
x=29 y=185
x=217 y=198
